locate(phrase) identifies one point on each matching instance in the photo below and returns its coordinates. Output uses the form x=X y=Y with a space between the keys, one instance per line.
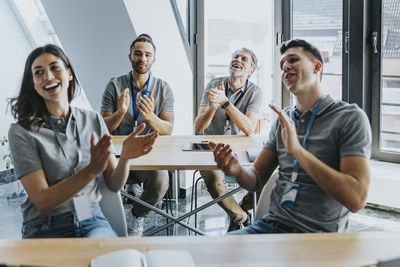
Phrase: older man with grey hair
x=230 y=106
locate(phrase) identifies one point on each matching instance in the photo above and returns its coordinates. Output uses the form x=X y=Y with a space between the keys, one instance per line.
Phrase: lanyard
x=226 y=84
x=309 y=126
x=136 y=113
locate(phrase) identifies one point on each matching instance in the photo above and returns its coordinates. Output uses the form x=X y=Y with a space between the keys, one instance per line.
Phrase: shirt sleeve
x=204 y=99
x=104 y=130
x=355 y=134
x=24 y=151
x=255 y=101
x=109 y=98
x=168 y=103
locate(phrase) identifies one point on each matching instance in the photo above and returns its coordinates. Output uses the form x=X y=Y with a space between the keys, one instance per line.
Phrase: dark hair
x=144 y=37
x=314 y=51
x=29 y=107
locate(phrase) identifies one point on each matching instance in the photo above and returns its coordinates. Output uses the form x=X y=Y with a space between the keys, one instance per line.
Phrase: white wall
x=96 y=35
x=14 y=50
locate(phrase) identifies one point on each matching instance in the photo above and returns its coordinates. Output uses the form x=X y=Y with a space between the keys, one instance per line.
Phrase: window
x=230 y=25
x=34 y=21
x=351 y=61
x=385 y=115
x=320 y=23
x=389 y=128
x=360 y=43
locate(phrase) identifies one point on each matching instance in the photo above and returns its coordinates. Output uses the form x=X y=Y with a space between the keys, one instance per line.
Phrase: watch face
x=226 y=104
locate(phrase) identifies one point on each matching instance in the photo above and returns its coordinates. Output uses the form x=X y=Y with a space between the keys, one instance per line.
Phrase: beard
x=135 y=66
x=237 y=73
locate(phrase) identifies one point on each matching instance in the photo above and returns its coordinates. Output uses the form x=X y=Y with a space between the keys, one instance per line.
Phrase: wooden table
x=167 y=153
x=311 y=250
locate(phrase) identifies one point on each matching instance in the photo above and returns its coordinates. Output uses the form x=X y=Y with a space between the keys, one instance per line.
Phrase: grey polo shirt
x=159 y=89
x=340 y=129
x=60 y=150
x=251 y=100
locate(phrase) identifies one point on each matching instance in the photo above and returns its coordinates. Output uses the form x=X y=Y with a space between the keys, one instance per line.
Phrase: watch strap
x=227 y=103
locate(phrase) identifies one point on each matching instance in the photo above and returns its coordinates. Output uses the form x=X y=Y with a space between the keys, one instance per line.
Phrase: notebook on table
x=152 y=258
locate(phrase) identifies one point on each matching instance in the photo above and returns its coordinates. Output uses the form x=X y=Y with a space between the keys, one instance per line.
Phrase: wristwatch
x=227 y=103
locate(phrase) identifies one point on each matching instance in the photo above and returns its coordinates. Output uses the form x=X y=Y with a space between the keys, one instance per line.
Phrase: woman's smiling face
x=51 y=78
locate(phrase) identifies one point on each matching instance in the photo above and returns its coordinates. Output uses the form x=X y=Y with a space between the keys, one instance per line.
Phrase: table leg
x=174 y=220
x=177 y=220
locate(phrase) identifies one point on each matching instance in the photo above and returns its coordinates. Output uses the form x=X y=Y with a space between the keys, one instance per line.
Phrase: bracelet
x=224 y=106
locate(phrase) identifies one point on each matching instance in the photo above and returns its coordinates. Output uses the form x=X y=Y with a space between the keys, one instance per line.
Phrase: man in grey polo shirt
x=132 y=99
x=230 y=106
x=321 y=147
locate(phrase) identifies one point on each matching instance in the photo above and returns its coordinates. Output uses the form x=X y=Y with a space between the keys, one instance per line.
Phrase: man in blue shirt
x=134 y=98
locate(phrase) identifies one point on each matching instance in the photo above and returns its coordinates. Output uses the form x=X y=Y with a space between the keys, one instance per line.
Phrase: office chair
x=113 y=210
x=265 y=197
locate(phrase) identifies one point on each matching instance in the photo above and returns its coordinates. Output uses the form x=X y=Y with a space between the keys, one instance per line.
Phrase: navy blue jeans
x=258 y=227
x=68 y=225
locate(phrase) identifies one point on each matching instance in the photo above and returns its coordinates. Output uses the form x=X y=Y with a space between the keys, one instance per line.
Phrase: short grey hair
x=252 y=55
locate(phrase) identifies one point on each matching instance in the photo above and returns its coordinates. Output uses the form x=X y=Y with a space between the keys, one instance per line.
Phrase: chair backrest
x=263 y=201
x=113 y=209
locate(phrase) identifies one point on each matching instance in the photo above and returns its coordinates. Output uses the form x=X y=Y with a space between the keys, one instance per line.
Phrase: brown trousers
x=155 y=184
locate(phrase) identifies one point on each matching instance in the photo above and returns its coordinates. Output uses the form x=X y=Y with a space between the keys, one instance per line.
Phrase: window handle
x=279 y=38
x=346 y=42
x=375 y=42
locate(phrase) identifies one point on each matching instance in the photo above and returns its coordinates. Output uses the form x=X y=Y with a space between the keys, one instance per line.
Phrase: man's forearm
x=163 y=127
x=240 y=120
x=113 y=121
x=204 y=120
x=248 y=179
x=117 y=178
x=349 y=190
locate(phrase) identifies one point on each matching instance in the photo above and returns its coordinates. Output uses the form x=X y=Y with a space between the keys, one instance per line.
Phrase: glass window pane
x=320 y=23
x=35 y=19
x=390 y=80
x=230 y=25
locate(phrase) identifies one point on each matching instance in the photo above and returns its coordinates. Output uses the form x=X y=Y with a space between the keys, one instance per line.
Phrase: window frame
x=360 y=19
x=376 y=82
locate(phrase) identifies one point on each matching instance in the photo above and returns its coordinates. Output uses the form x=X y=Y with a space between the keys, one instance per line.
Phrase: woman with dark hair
x=56 y=156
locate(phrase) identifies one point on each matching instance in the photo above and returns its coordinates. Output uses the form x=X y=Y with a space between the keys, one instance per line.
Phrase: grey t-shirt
x=251 y=100
x=340 y=129
x=60 y=150
x=159 y=89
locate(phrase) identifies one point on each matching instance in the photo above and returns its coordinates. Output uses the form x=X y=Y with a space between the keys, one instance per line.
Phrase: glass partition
x=231 y=24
